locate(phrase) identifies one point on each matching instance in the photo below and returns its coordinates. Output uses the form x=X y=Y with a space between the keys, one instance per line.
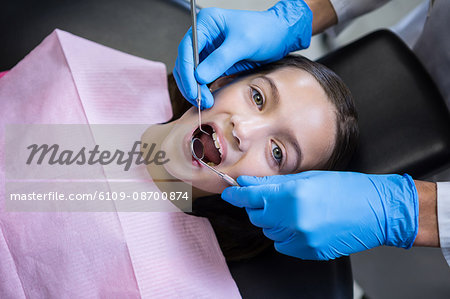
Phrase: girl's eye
x=257 y=98
x=277 y=153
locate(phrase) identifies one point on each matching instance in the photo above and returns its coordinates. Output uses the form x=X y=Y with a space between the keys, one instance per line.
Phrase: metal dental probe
x=196 y=60
x=199 y=144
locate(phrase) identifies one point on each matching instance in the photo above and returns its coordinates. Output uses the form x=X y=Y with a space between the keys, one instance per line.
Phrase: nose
x=248 y=129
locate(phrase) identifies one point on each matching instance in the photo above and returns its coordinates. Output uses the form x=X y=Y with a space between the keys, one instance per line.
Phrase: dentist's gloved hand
x=322 y=215
x=231 y=41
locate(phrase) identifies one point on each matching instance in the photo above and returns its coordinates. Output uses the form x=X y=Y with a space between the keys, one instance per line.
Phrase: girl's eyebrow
x=273 y=88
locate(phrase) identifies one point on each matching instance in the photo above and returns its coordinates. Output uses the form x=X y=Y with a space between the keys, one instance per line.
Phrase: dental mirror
x=198 y=150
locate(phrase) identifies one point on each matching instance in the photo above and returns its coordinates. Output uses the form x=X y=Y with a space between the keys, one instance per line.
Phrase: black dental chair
x=404 y=123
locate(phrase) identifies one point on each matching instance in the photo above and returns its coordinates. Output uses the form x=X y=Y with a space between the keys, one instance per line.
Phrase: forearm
x=324 y=15
x=327 y=13
x=428 y=234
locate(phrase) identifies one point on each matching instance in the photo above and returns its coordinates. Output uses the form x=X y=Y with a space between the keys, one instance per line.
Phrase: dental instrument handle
x=196 y=60
x=230 y=180
x=194 y=33
x=195 y=46
x=224 y=176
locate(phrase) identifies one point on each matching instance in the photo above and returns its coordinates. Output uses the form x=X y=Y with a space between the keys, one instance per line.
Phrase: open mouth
x=212 y=152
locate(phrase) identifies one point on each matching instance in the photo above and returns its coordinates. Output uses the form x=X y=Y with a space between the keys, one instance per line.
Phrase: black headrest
x=404 y=122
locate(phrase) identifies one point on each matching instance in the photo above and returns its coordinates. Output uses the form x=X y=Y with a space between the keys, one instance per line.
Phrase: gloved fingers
x=249 y=197
x=255 y=216
x=295 y=250
x=184 y=64
x=220 y=60
x=242 y=66
x=189 y=92
x=258 y=217
x=184 y=68
x=296 y=246
x=277 y=234
x=245 y=180
x=181 y=88
x=207 y=97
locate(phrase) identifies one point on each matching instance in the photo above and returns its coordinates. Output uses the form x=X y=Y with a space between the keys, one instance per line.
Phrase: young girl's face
x=277 y=123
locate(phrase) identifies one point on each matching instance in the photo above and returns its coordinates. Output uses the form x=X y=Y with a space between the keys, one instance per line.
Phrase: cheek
x=209 y=181
x=252 y=164
x=319 y=149
x=189 y=116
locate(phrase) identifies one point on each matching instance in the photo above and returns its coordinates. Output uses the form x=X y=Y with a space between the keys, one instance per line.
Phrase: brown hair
x=237 y=237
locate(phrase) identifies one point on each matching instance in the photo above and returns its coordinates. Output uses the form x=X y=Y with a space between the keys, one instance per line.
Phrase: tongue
x=211 y=153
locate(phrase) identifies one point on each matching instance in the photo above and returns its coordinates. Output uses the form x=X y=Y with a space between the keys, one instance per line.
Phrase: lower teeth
x=211 y=164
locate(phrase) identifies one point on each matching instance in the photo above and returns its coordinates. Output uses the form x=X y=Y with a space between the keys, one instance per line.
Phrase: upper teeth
x=216 y=143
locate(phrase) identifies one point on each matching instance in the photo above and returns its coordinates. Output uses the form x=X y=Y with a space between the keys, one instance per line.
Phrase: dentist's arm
x=428 y=234
x=324 y=15
x=350 y=9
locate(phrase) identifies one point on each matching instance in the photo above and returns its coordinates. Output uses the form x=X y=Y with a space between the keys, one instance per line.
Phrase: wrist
x=297 y=17
x=428 y=234
x=324 y=15
x=400 y=199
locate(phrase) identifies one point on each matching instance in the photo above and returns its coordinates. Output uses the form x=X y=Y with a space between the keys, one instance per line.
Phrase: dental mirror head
x=198 y=150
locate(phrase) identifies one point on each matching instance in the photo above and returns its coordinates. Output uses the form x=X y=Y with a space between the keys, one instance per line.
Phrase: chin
x=211 y=185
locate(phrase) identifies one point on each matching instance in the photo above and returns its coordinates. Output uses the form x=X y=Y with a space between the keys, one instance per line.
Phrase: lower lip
x=189 y=152
x=196 y=163
x=187 y=142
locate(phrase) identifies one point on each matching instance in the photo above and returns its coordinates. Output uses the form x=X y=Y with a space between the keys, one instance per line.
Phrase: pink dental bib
x=70 y=80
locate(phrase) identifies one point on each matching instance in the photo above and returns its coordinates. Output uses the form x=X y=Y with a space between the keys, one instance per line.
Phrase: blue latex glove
x=321 y=215
x=236 y=40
